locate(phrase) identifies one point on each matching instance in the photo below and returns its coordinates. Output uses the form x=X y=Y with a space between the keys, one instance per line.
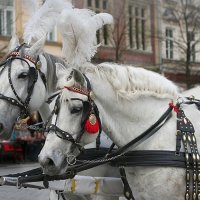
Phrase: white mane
x=130 y=82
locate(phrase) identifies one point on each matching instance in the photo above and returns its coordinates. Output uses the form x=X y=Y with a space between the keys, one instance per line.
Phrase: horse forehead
x=20 y=64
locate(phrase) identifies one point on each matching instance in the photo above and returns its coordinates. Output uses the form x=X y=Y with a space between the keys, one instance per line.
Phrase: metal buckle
x=18 y=184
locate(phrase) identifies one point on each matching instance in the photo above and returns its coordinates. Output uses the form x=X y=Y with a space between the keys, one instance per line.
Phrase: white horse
x=129 y=100
x=20 y=78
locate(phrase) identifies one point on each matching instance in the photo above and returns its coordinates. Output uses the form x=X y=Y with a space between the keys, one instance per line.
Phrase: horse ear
x=14 y=42
x=37 y=48
x=60 y=69
x=78 y=77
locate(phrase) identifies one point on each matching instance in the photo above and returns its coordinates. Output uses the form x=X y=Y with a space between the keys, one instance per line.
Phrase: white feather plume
x=78 y=28
x=31 y=6
x=44 y=19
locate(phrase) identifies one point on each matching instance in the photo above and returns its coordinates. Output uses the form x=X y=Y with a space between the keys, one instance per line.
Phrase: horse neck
x=51 y=71
x=122 y=119
x=44 y=111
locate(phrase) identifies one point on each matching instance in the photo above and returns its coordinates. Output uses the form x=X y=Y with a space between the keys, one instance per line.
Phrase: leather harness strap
x=127 y=190
x=185 y=131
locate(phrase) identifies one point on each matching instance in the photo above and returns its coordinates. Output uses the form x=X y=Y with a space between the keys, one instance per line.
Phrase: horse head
x=75 y=121
x=22 y=83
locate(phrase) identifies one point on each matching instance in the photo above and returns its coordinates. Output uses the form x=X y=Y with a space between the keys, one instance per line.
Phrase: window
x=169 y=43
x=6 y=17
x=100 y=6
x=97 y=3
x=89 y=3
x=191 y=38
x=193 y=53
x=104 y=4
x=51 y=36
x=140 y=28
x=130 y=27
x=137 y=27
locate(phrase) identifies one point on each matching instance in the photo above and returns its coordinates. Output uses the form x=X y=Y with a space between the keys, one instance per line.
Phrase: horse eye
x=76 y=110
x=23 y=75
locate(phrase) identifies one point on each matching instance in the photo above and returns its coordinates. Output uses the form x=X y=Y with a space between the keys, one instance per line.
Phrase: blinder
x=33 y=76
x=86 y=112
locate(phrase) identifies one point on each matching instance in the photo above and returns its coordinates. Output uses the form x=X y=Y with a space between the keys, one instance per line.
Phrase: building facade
x=180 y=38
x=131 y=39
x=14 y=14
x=145 y=34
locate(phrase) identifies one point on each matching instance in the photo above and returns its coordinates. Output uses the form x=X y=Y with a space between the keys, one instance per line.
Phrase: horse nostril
x=1 y=127
x=50 y=162
x=47 y=162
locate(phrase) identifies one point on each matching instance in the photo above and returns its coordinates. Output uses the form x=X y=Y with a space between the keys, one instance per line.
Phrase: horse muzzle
x=52 y=165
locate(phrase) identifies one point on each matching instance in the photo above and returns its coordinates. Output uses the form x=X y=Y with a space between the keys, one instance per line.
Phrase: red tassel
x=91 y=125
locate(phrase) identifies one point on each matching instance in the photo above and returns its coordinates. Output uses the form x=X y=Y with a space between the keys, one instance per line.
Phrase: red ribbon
x=175 y=108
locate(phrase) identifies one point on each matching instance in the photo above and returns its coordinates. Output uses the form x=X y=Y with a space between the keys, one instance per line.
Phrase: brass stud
x=194 y=157
x=91 y=95
x=188 y=176
x=187 y=196
x=194 y=196
x=38 y=65
x=189 y=138
x=178 y=132
x=127 y=194
x=195 y=177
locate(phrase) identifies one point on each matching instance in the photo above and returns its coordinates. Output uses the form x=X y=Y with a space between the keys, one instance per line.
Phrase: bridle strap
x=64 y=134
x=16 y=54
x=53 y=127
x=11 y=101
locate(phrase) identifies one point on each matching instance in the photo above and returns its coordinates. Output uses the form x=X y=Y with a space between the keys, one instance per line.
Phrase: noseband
x=33 y=77
x=88 y=106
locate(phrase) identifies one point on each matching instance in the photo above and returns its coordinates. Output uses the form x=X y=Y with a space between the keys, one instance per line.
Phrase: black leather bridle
x=33 y=77
x=87 y=107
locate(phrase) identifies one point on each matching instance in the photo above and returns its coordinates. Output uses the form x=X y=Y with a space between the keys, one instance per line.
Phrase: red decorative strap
x=175 y=108
x=16 y=54
x=77 y=90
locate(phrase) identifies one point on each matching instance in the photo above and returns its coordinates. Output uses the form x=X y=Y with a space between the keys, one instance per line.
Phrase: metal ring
x=71 y=159
x=180 y=100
